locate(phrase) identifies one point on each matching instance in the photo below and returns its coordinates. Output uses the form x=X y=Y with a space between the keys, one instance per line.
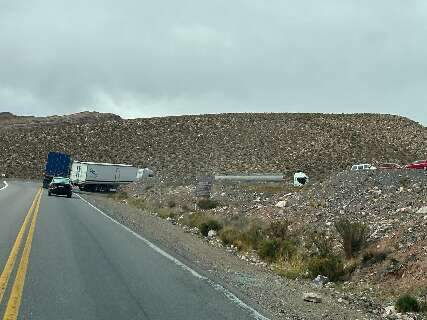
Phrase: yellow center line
x=12 y=308
x=10 y=263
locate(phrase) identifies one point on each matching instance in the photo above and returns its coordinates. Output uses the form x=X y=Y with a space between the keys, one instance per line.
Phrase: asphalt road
x=73 y=262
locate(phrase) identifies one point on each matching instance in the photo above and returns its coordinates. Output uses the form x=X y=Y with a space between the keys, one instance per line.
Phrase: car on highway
x=363 y=166
x=420 y=164
x=60 y=186
x=389 y=166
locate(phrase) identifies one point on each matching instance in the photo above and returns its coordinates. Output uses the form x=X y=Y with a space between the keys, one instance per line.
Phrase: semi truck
x=93 y=176
x=57 y=165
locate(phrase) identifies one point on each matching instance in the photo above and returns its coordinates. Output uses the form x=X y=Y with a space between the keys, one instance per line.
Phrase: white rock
x=320 y=280
x=312 y=297
x=281 y=204
x=389 y=311
x=211 y=233
x=422 y=210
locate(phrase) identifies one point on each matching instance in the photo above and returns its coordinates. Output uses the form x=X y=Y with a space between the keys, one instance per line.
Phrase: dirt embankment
x=180 y=148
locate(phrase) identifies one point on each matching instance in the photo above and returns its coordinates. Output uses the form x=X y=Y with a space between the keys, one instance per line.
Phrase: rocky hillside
x=180 y=148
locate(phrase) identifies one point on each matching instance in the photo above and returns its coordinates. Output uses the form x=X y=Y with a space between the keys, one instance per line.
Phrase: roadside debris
x=312 y=297
x=320 y=280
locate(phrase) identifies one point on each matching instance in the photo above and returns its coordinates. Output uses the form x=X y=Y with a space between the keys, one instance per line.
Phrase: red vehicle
x=420 y=164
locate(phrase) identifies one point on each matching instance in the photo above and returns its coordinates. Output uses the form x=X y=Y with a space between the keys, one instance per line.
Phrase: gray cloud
x=140 y=58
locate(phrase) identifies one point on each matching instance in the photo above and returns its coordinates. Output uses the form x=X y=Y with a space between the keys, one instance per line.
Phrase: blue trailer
x=58 y=165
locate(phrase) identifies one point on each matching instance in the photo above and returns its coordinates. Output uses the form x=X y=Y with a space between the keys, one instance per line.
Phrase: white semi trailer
x=92 y=176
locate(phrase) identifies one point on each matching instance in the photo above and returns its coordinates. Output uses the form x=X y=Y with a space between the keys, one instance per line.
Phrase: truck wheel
x=69 y=195
x=49 y=194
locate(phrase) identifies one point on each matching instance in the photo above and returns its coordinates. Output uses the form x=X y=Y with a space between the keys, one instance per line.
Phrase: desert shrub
x=138 y=203
x=322 y=242
x=371 y=257
x=274 y=249
x=407 y=303
x=330 y=266
x=268 y=250
x=288 y=249
x=202 y=221
x=211 y=224
x=350 y=266
x=207 y=204
x=193 y=219
x=171 y=203
x=165 y=213
x=278 y=229
x=353 y=235
x=229 y=236
x=252 y=237
x=292 y=268
x=120 y=195
x=243 y=239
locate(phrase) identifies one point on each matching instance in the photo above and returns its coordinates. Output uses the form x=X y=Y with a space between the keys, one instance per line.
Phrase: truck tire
x=69 y=195
x=49 y=194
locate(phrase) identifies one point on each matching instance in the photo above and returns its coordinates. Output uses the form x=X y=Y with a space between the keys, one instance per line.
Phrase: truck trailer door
x=117 y=174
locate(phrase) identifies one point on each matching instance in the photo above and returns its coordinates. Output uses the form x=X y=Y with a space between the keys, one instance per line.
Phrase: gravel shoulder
x=272 y=295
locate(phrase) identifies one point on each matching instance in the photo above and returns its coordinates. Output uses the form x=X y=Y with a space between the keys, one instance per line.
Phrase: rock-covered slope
x=180 y=148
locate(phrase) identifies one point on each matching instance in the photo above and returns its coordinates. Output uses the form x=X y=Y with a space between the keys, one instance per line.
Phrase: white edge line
x=5 y=186
x=231 y=296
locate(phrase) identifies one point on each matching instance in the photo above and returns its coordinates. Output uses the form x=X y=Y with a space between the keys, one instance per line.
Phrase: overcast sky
x=152 y=58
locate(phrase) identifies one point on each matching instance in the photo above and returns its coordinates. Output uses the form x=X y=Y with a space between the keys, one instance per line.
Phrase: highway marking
x=14 y=303
x=10 y=263
x=228 y=294
x=5 y=186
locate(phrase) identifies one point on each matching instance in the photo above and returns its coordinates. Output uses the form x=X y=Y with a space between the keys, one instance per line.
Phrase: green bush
x=349 y=267
x=371 y=257
x=268 y=250
x=194 y=219
x=230 y=236
x=278 y=229
x=252 y=237
x=330 y=266
x=207 y=204
x=322 y=242
x=274 y=249
x=287 y=249
x=211 y=224
x=407 y=303
x=292 y=268
x=353 y=235
x=243 y=239
x=165 y=213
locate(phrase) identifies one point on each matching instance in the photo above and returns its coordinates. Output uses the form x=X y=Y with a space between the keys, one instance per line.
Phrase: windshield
x=61 y=180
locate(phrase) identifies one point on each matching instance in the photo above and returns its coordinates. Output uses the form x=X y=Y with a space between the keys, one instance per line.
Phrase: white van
x=363 y=166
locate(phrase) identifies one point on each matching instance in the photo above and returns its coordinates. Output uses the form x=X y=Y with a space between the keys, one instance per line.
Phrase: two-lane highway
x=64 y=259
